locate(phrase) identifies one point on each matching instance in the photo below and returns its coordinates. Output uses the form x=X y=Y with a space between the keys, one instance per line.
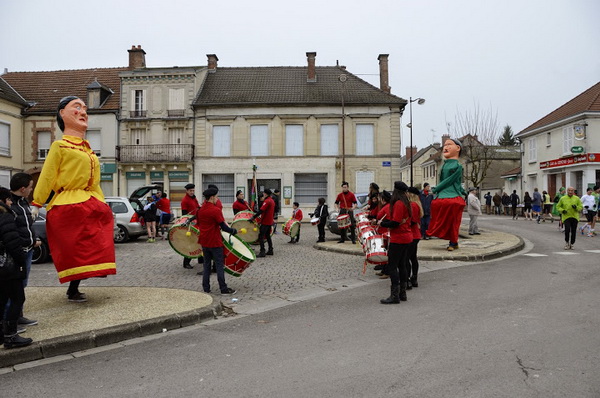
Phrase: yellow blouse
x=72 y=171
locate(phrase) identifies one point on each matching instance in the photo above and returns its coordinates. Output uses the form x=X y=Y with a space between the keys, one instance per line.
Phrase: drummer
x=190 y=205
x=240 y=204
x=210 y=223
x=297 y=215
x=386 y=196
x=267 y=211
x=322 y=213
x=345 y=203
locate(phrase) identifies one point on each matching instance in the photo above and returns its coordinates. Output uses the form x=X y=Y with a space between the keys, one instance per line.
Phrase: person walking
x=527 y=206
x=474 y=211
x=559 y=195
x=488 y=203
x=322 y=212
x=589 y=209
x=514 y=202
x=267 y=214
x=497 y=199
x=547 y=203
x=426 y=197
x=506 y=203
x=536 y=205
x=150 y=211
x=569 y=207
x=345 y=203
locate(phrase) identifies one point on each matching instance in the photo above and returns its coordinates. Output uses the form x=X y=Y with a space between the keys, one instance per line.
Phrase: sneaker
x=77 y=298
x=149 y=240
x=26 y=322
x=590 y=235
x=341 y=241
x=20 y=329
x=228 y=291
x=567 y=246
x=571 y=247
x=581 y=229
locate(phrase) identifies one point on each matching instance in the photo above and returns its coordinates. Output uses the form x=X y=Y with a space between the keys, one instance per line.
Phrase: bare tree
x=479 y=131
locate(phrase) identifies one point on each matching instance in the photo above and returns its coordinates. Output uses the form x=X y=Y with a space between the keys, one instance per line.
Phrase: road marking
x=535 y=255
x=592 y=251
x=565 y=253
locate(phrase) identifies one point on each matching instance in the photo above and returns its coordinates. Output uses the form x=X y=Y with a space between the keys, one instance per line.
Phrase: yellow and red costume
x=79 y=223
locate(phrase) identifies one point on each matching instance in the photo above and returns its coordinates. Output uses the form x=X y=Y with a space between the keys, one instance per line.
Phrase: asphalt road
x=522 y=326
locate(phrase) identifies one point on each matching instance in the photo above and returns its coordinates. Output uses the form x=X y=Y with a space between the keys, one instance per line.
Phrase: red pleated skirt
x=446 y=215
x=81 y=239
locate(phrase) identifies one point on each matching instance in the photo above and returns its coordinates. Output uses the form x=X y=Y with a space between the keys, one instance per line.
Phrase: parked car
x=362 y=199
x=41 y=254
x=129 y=222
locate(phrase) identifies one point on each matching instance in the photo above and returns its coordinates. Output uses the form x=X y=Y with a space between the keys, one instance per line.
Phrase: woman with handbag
x=12 y=272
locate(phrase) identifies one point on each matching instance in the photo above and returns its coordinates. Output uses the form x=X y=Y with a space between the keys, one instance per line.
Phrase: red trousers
x=446 y=215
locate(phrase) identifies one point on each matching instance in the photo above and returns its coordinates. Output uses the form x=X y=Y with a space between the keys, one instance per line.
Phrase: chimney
x=212 y=62
x=445 y=137
x=312 y=76
x=384 y=76
x=137 y=57
x=409 y=153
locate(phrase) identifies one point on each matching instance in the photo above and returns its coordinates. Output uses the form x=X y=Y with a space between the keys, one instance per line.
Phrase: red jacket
x=209 y=218
x=189 y=205
x=415 y=221
x=402 y=233
x=297 y=214
x=267 y=211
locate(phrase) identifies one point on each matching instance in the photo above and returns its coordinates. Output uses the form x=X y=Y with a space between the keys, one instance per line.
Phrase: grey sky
x=520 y=58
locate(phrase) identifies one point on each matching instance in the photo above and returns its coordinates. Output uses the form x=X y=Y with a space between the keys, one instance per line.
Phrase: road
x=522 y=326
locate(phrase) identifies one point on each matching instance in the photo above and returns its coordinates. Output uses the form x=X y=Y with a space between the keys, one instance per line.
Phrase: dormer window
x=97 y=95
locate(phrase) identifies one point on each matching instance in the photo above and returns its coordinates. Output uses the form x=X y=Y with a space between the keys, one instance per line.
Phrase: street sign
x=386 y=164
x=577 y=149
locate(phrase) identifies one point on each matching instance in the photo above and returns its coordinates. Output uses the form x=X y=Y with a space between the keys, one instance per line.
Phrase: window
x=4 y=178
x=259 y=140
x=364 y=139
x=294 y=140
x=567 y=140
x=532 y=150
x=308 y=188
x=43 y=144
x=139 y=103
x=221 y=140
x=548 y=139
x=4 y=139
x=138 y=136
x=176 y=106
x=224 y=182
x=329 y=140
x=363 y=180
x=93 y=136
x=176 y=135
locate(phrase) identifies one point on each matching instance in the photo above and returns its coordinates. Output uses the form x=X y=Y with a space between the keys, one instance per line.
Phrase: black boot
x=394 y=298
x=413 y=281
x=270 y=252
x=402 y=293
x=261 y=254
x=11 y=338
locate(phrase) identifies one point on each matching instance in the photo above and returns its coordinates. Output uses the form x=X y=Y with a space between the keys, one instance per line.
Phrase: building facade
x=11 y=132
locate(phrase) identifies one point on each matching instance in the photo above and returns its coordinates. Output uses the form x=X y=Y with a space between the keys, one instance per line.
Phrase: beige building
x=306 y=129
x=421 y=172
x=11 y=132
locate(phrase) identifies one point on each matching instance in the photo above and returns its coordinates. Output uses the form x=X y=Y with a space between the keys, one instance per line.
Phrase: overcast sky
x=519 y=59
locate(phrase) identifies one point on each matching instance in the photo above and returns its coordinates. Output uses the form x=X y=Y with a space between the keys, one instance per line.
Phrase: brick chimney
x=445 y=137
x=409 y=153
x=212 y=62
x=137 y=57
x=312 y=75
x=384 y=76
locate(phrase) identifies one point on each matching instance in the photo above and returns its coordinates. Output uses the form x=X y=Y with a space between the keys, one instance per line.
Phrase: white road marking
x=535 y=255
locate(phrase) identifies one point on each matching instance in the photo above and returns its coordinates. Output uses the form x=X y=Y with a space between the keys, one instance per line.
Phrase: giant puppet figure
x=79 y=222
x=448 y=203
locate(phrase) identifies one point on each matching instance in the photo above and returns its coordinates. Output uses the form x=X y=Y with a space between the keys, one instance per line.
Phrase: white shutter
x=364 y=139
x=95 y=139
x=176 y=98
x=221 y=140
x=259 y=140
x=4 y=139
x=138 y=136
x=294 y=140
x=567 y=140
x=363 y=180
x=532 y=149
x=329 y=140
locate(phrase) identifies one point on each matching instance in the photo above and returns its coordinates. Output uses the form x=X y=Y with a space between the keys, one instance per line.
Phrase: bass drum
x=242 y=220
x=238 y=254
x=183 y=243
x=291 y=227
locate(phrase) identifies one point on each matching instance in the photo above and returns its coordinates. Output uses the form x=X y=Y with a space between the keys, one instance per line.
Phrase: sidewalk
x=116 y=313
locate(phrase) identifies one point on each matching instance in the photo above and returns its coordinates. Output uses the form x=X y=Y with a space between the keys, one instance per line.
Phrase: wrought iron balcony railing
x=137 y=113
x=155 y=153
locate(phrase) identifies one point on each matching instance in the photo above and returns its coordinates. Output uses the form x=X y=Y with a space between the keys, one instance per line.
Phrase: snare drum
x=375 y=251
x=242 y=220
x=365 y=233
x=343 y=221
x=362 y=216
x=291 y=228
x=181 y=242
x=315 y=221
x=237 y=254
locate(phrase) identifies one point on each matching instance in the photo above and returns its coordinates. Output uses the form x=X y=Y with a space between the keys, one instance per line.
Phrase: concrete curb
x=96 y=338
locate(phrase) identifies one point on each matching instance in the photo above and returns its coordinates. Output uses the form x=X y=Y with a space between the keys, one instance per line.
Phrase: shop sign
x=157 y=175
x=135 y=175
x=179 y=175
x=571 y=160
x=577 y=149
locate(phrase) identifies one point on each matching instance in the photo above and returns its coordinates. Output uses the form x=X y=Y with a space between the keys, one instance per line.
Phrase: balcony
x=160 y=153
x=137 y=114
x=176 y=112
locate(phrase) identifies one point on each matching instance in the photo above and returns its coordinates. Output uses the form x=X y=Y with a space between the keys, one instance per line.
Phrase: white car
x=129 y=222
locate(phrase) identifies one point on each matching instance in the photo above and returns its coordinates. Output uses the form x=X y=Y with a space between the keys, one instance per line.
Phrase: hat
x=472 y=189
x=213 y=186
x=190 y=186
x=210 y=192
x=239 y=192
x=400 y=186
x=413 y=190
x=268 y=191
x=386 y=195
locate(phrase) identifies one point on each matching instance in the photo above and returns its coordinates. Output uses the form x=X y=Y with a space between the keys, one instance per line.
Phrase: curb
x=96 y=338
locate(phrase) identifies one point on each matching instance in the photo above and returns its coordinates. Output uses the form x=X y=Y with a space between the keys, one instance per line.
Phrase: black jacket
x=20 y=206
x=12 y=242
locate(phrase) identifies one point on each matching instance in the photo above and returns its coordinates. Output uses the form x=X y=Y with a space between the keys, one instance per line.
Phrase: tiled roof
x=46 y=89
x=588 y=101
x=287 y=86
x=9 y=94
x=512 y=172
x=405 y=161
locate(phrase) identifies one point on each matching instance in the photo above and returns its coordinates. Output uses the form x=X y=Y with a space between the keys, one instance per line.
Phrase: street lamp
x=342 y=78
x=419 y=101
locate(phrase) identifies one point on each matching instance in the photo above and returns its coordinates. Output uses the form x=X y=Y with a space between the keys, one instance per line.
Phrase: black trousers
x=397 y=257
x=352 y=226
x=265 y=234
x=14 y=291
x=321 y=228
x=412 y=265
x=570 y=229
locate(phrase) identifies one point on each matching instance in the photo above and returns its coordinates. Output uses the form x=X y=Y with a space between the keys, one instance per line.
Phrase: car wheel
x=122 y=235
x=40 y=253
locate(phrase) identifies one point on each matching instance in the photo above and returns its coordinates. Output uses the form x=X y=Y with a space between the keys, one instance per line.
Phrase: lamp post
x=343 y=79
x=419 y=101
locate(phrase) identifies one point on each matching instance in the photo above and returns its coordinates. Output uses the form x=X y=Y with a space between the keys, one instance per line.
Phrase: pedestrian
x=150 y=217
x=240 y=204
x=448 y=205
x=426 y=197
x=536 y=205
x=527 y=206
x=277 y=200
x=514 y=202
x=412 y=263
x=190 y=206
x=497 y=199
x=322 y=212
x=164 y=205
x=488 y=203
x=398 y=221
x=547 y=206
x=21 y=186
x=267 y=214
x=474 y=211
x=506 y=203
x=79 y=223
x=569 y=207
x=589 y=209
x=345 y=203
x=557 y=197
x=13 y=271
x=210 y=223
x=297 y=215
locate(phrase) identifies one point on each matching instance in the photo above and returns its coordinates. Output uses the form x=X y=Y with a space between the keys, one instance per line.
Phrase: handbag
x=8 y=268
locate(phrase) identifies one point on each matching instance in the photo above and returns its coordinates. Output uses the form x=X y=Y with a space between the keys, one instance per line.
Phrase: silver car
x=129 y=225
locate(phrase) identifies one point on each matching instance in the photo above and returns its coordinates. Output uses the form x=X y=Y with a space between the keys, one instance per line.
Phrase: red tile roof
x=588 y=101
x=47 y=88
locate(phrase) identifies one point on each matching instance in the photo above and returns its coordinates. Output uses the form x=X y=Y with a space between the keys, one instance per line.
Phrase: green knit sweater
x=450 y=181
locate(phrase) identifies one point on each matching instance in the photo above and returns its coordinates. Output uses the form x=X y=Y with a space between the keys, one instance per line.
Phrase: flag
x=253 y=190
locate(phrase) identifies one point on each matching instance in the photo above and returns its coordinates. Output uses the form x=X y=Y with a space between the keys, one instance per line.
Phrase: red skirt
x=446 y=215
x=81 y=239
